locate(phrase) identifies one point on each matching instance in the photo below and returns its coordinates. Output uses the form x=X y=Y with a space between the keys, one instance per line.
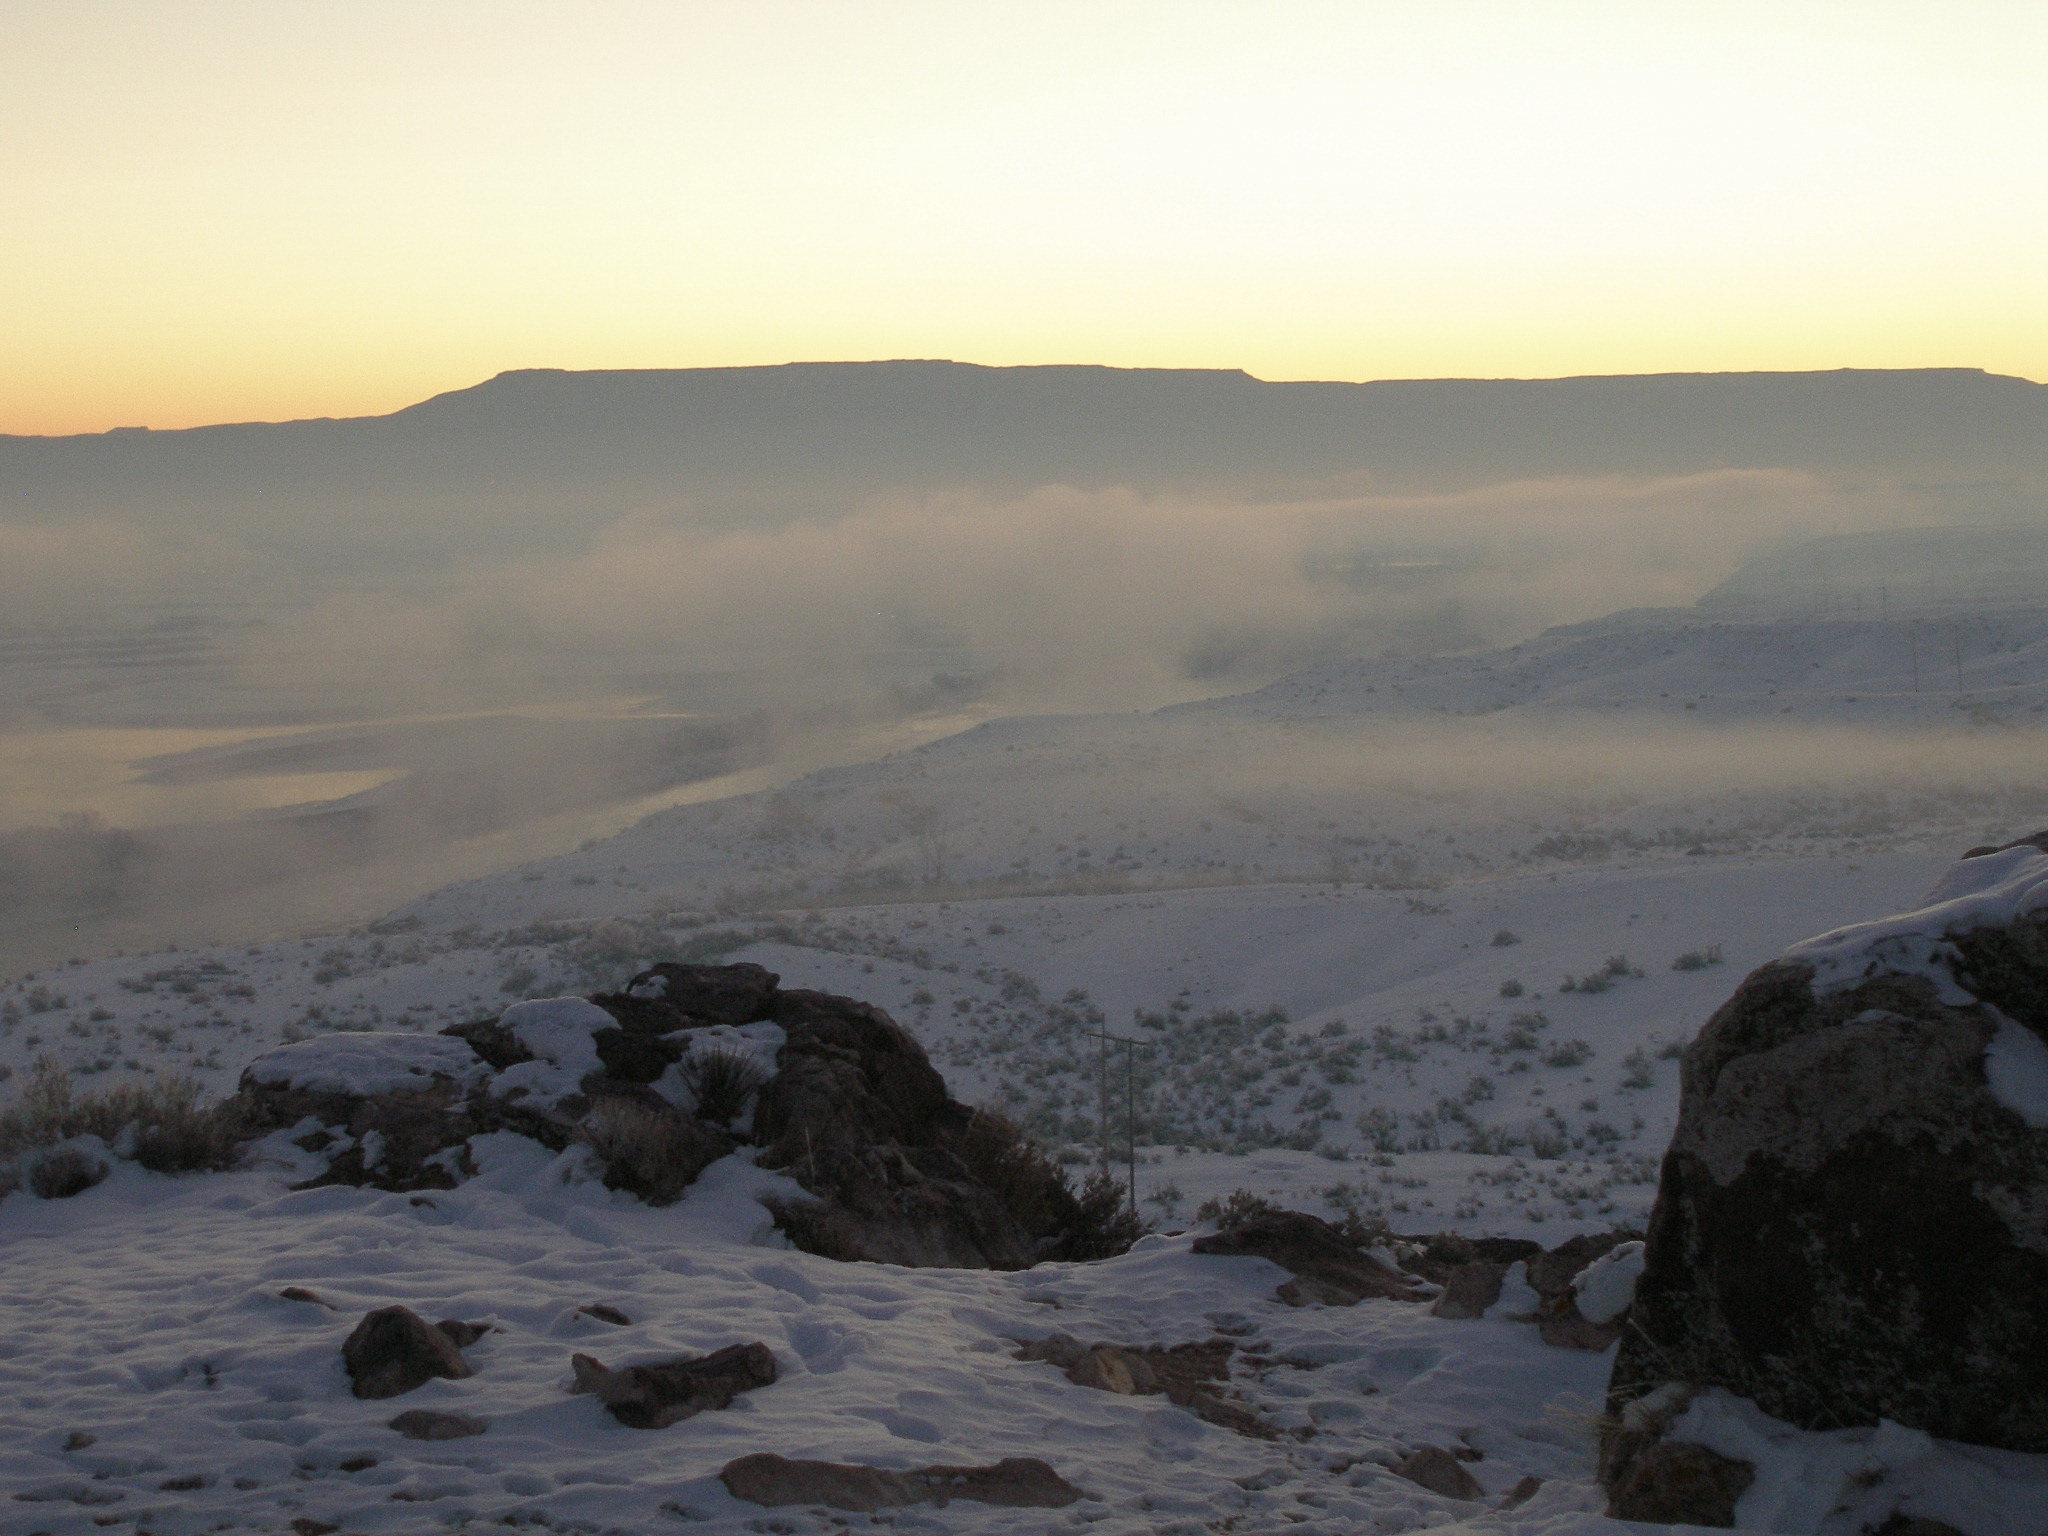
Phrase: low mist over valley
x=270 y=675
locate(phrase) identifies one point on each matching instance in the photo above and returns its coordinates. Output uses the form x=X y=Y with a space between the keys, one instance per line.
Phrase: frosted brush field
x=1415 y=942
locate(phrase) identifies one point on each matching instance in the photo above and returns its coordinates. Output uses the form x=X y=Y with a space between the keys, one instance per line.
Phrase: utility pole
x=1106 y=1040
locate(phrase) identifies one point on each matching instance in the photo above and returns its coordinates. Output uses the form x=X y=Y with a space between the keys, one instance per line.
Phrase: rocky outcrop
x=394 y=1350
x=1674 y=1483
x=1015 y=1482
x=672 y=1073
x=1852 y=1220
x=669 y=1391
x=1325 y=1267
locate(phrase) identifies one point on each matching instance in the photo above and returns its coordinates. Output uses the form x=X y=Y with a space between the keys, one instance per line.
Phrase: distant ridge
x=551 y=453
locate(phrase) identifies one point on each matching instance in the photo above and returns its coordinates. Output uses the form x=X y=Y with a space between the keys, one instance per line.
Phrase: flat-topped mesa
x=672 y=1072
x=1852 y=1220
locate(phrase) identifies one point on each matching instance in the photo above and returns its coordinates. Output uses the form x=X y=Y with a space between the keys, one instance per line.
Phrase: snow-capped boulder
x=397 y=1106
x=1852 y=1220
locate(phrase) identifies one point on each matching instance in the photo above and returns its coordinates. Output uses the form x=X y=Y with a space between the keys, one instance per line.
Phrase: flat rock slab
x=1326 y=1268
x=656 y=1396
x=394 y=1349
x=1015 y=1482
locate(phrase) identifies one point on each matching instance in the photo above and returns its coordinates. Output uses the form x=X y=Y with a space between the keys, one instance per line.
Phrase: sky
x=225 y=210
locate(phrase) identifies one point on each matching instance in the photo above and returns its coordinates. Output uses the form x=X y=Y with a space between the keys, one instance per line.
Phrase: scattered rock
x=1679 y=1484
x=671 y=996
x=1326 y=1268
x=656 y=1396
x=1852 y=1220
x=356 y=1464
x=1522 y=1492
x=462 y=1334
x=300 y=1293
x=1439 y=1471
x=427 y=1424
x=185 y=1484
x=1915 y=1525
x=1190 y=1376
x=1016 y=1482
x=605 y=1313
x=79 y=1439
x=306 y=1525
x=393 y=1350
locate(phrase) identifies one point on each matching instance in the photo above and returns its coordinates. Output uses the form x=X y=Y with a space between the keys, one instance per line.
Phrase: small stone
x=1914 y=1525
x=1522 y=1492
x=392 y=1351
x=427 y=1424
x=1679 y=1484
x=1440 y=1472
x=358 y=1464
x=462 y=1334
x=305 y=1525
x=606 y=1314
x=79 y=1439
x=300 y=1293
x=185 y=1484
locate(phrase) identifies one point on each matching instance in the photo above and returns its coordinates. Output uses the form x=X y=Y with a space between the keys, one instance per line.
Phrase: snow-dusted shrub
x=1511 y=988
x=1568 y=1053
x=1698 y=959
x=1503 y=937
x=1235 y=1209
x=1636 y=1072
x=170 y=1128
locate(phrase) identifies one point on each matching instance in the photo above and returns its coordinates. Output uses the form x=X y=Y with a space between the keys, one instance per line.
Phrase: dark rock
x=877 y=1206
x=1443 y=1252
x=1469 y=1290
x=1438 y=1471
x=1678 y=1484
x=1563 y=1326
x=1327 y=1269
x=672 y=996
x=306 y=1525
x=635 y=1057
x=300 y=1293
x=848 y=1076
x=1915 y=1525
x=656 y=1396
x=495 y=1045
x=1523 y=1491
x=65 y=1173
x=2032 y=840
x=427 y=1424
x=1551 y=1273
x=393 y=1350
x=1190 y=1376
x=1016 y=1482
x=356 y=1464
x=1850 y=1225
x=605 y=1314
x=462 y=1334
x=79 y=1439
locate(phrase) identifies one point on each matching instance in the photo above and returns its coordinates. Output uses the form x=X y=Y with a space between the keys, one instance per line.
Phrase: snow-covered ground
x=1416 y=939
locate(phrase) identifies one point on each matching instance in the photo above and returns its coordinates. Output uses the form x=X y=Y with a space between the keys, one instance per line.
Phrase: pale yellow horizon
x=228 y=210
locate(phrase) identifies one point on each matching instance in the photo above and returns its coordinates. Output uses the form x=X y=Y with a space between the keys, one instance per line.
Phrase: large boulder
x=1852 y=1220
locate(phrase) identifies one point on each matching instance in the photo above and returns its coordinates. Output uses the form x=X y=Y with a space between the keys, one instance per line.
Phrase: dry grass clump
x=653 y=1153
x=167 y=1125
x=1093 y=1222
x=722 y=1080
